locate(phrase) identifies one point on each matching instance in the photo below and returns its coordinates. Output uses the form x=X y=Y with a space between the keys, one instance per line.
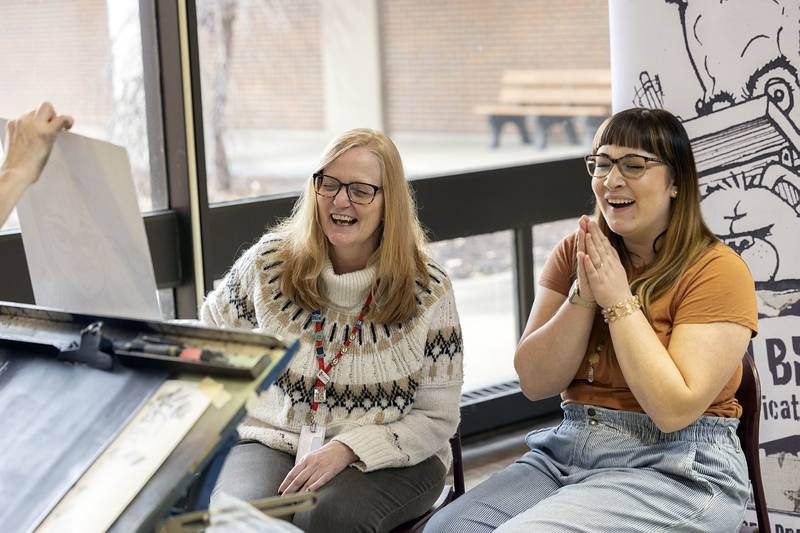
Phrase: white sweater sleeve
x=230 y=304
x=434 y=415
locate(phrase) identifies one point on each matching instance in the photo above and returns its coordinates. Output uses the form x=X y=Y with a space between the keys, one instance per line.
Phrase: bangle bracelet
x=621 y=309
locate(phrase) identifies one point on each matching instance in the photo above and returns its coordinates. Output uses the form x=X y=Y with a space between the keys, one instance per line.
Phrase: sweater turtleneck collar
x=347 y=291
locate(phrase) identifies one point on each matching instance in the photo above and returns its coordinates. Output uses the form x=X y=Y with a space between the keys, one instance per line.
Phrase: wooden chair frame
x=749 y=397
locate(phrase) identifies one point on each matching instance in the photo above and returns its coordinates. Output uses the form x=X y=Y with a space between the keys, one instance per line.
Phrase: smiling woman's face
x=636 y=209
x=352 y=229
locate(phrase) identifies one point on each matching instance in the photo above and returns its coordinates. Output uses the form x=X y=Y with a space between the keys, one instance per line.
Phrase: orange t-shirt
x=717 y=288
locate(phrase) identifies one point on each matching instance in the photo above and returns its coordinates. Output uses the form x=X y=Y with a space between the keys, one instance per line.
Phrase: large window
x=87 y=58
x=84 y=56
x=280 y=79
x=481 y=268
x=545 y=237
x=268 y=83
x=481 y=271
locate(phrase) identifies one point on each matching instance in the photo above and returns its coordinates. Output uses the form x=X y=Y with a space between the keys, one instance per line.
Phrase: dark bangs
x=653 y=130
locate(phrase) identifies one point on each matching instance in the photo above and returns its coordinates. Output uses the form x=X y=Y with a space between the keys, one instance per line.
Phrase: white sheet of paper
x=84 y=236
x=111 y=483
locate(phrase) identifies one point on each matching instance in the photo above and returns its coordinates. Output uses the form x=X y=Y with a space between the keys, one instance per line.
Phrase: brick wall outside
x=444 y=57
x=56 y=50
x=441 y=58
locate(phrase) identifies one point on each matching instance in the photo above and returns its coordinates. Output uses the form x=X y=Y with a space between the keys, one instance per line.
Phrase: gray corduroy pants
x=353 y=501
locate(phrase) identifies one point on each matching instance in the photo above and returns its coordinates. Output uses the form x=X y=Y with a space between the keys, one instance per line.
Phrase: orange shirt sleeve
x=719 y=288
x=559 y=269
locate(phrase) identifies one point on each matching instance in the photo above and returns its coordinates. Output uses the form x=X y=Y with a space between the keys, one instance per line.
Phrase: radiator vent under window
x=490 y=392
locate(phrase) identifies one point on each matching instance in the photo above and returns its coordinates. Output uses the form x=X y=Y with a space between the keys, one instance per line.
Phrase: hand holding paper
x=28 y=144
x=84 y=236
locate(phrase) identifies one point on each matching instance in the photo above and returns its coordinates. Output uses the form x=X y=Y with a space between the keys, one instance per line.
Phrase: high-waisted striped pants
x=603 y=470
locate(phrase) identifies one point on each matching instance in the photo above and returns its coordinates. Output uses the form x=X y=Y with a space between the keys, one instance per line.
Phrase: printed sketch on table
x=729 y=70
x=129 y=461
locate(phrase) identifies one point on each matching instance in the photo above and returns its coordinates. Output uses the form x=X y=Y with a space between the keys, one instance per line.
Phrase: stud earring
x=674 y=192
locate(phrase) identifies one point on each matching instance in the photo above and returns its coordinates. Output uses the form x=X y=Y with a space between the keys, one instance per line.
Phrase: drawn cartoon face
x=761 y=227
x=760 y=41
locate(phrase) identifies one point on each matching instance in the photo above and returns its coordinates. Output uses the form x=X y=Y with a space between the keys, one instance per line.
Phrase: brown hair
x=687 y=237
x=399 y=259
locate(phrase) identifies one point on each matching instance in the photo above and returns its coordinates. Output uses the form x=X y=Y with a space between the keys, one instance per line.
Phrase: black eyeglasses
x=359 y=193
x=631 y=166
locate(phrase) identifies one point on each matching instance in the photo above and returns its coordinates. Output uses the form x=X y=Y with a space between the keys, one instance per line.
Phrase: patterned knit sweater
x=394 y=396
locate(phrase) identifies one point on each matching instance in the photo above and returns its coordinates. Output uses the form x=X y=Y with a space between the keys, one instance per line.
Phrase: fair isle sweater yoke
x=394 y=397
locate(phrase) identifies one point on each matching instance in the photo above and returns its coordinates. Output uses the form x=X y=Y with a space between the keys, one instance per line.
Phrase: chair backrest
x=458 y=464
x=749 y=397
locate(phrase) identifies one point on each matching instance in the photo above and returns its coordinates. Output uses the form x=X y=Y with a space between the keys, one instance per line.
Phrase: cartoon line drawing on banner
x=759 y=44
x=744 y=128
x=649 y=93
x=794 y=495
x=746 y=137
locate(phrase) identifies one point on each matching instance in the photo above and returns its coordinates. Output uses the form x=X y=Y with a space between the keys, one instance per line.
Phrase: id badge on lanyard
x=311 y=440
x=312 y=436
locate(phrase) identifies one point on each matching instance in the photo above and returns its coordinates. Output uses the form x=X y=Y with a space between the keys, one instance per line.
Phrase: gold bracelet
x=621 y=309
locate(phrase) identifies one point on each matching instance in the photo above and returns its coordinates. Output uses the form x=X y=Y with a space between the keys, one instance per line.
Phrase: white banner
x=729 y=70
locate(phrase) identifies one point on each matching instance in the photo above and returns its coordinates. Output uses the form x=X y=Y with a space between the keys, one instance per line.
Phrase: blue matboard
x=55 y=419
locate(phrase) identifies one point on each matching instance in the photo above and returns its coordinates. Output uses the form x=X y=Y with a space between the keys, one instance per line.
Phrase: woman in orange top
x=641 y=322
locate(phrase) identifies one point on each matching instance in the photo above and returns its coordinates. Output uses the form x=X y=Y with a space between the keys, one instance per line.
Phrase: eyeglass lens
x=631 y=166
x=359 y=193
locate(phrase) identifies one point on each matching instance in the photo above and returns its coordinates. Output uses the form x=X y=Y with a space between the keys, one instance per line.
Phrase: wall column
x=351 y=58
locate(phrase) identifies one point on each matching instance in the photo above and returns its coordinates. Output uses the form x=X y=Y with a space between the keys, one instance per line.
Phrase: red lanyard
x=323 y=375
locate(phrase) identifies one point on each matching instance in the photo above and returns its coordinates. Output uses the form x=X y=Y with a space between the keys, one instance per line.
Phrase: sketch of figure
x=759 y=221
x=731 y=70
x=745 y=134
x=760 y=42
x=794 y=495
x=742 y=118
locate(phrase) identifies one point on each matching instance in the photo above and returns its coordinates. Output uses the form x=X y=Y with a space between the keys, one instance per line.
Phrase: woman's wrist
x=576 y=298
x=11 y=178
x=621 y=309
x=347 y=450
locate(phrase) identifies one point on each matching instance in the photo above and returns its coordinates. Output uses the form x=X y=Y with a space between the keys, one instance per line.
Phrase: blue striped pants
x=603 y=470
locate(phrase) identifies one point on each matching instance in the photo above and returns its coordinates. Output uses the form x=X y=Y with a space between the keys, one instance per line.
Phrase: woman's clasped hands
x=601 y=276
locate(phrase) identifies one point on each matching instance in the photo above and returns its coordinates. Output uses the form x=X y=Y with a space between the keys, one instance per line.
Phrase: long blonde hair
x=399 y=259
x=687 y=238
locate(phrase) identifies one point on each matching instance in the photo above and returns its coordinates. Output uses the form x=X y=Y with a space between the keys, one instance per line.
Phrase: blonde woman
x=364 y=413
x=640 y=323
